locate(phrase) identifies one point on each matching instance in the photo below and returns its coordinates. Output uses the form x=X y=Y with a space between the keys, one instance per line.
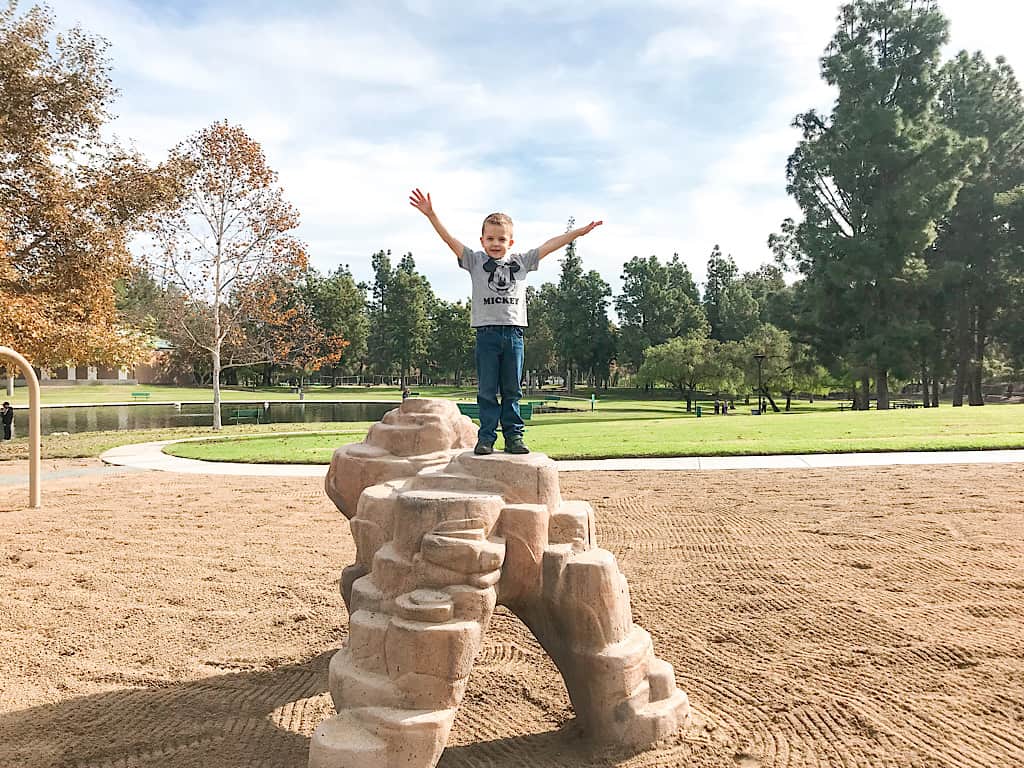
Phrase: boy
x=499 y=317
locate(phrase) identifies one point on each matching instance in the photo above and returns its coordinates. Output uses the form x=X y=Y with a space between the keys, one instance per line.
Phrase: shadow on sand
x=241 y=720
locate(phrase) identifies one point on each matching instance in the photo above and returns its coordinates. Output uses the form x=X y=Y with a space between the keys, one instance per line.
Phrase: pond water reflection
x=94 y=418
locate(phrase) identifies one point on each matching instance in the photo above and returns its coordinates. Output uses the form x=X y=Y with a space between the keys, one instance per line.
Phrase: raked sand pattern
x=842 y=617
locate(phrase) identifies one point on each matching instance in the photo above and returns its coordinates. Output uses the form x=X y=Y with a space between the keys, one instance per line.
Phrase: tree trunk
x=775 y=408
x=976 y=396
x=789 y=400
x=217 y=425
x=925 y=379
x=863 y=403
x=963 y=356
x=882 y=385
x=935 y=393
x=10 y=386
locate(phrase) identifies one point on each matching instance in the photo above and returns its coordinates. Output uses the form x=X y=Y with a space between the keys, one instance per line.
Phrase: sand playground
x=845 y=617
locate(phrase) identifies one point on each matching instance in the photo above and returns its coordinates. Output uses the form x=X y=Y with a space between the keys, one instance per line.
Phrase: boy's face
x=496 y=240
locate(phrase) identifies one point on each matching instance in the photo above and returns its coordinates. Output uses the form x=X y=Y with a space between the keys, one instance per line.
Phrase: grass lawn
x=91 y=444
x=282 y=449
x=623 y=425
x=641 y=431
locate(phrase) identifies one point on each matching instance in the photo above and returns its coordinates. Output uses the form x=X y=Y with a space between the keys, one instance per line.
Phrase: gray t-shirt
x=499 y=286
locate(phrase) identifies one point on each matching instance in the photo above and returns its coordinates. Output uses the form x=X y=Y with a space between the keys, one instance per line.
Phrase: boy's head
x=496 y=235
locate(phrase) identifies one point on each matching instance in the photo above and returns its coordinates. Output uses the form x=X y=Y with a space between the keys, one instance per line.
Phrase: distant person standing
x=7 y=415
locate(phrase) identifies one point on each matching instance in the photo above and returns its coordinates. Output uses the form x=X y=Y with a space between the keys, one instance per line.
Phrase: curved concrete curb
x=151 y=456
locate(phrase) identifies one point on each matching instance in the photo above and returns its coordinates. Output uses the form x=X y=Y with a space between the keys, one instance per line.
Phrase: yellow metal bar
x=34 y=492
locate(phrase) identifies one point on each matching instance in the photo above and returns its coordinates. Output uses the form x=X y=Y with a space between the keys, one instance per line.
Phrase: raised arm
x=422 y=203
x=555 y=243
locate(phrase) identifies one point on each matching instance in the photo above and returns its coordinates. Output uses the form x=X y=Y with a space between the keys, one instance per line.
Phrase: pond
x=96 y=418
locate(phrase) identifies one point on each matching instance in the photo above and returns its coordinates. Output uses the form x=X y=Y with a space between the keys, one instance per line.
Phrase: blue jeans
x=499 y=370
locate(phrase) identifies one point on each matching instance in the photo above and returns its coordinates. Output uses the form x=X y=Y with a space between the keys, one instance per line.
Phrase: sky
x=668 y=119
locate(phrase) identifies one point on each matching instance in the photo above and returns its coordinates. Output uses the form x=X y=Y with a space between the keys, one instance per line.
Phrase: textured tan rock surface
x=441 y=538
x=422 y=432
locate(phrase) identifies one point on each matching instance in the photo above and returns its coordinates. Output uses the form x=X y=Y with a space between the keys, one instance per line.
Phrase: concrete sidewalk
x=151 y=456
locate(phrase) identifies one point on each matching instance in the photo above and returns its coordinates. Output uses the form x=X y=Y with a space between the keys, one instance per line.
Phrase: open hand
x=421 y=202
x=590 y=226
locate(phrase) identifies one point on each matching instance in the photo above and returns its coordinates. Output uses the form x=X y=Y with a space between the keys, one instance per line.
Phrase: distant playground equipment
x=34 y=494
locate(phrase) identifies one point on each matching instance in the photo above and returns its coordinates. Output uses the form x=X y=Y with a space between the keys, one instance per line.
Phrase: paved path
x=151 y=456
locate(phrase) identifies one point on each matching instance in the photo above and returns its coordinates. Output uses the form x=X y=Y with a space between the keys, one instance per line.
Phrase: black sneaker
x=483 y=449
x=516 y=445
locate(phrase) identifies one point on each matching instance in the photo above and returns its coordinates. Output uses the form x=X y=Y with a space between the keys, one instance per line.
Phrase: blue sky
x=669 y=119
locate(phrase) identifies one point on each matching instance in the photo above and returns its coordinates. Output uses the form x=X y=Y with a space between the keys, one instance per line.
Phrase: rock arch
x=442 y=536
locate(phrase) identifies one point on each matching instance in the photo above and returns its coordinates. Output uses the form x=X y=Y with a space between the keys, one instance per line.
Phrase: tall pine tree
x=974 y=265
x=872 y=179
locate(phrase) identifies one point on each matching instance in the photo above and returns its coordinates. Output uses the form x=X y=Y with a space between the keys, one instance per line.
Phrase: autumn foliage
x=69 y=202
x=227 y=247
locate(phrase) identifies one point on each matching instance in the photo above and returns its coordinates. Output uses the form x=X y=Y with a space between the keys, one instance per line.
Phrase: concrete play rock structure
x=442 y=536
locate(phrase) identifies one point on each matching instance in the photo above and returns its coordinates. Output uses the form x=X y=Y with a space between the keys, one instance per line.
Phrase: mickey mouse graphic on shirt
x=501 y=278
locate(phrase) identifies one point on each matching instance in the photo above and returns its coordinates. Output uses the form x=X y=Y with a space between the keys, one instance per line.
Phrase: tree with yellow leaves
x=69 y=201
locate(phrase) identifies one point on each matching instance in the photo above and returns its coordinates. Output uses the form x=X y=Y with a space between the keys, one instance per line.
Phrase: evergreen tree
x=380 y=354
x=407 y=320
x=339 y=304
x=399 y=315
x=658 y=301
x=971 y=256
x=872 y=179
x=540 y=360
x=1010 y=323
x=599 y=352
x=580 y=314
x=730 y=307
x=452 y=341
x=770 y=293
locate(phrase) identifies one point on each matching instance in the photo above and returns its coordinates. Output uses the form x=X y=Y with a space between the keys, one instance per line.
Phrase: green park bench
x=140 y=395
x=473 y=410
x=470 y=409
x=246 y=413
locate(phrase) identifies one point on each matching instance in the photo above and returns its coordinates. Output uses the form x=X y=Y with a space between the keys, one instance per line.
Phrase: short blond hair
x=497 y=219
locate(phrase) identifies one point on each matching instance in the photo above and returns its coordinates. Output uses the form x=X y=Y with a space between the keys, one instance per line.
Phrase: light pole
x=760 y=388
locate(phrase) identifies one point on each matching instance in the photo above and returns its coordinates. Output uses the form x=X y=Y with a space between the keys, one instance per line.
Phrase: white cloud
x=679 y=45
x=667 y=118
